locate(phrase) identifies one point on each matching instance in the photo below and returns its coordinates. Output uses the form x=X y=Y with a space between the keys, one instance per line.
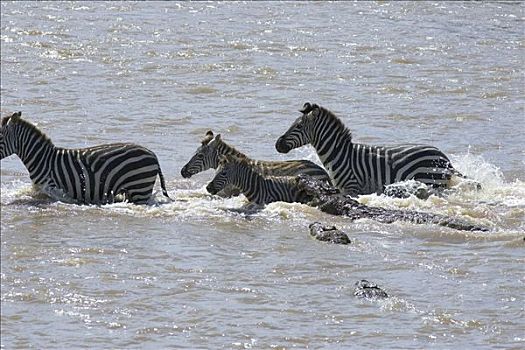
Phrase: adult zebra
x=358 y=169
x=212 y=147
x=95 y=175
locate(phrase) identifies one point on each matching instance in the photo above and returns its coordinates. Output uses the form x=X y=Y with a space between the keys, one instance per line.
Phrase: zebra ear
x=313 y=111
x=218 y=137
x=12 y=118
x=307 y=107
x=223 y=159
x=207 y=138
x=16 y=116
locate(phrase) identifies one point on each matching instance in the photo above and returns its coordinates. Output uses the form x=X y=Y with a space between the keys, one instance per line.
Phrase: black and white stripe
x=212 y=147
x=95 y=175
x=363 y=169
x=257 y=188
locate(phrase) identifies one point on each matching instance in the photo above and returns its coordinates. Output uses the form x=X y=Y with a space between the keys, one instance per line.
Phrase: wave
x=499 y=204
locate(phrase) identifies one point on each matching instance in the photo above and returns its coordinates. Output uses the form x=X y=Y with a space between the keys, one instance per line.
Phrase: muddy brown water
x=197 y=273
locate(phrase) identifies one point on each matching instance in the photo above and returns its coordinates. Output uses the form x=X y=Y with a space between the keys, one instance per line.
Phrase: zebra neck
x=37 y=152
x=331 y=139
x=250 y=183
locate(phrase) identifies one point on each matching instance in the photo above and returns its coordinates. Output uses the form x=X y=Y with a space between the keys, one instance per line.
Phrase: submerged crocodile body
x=329 y=200
x=369 y=290
x=328 y=234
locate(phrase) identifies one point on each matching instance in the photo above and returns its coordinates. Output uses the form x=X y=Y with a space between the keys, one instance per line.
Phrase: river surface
x=203 y=273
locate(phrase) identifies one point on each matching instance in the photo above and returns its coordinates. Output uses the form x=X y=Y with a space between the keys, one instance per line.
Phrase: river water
x=199 y=273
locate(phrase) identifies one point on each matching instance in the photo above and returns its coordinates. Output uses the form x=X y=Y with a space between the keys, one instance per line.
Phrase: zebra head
x=8 y=135
x=205 y=157
x=300 y=133
x=228 y=165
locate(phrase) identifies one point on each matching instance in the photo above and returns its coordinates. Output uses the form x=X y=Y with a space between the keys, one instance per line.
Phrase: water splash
x=499 y=204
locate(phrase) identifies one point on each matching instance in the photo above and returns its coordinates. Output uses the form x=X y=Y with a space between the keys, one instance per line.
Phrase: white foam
x=497 y=204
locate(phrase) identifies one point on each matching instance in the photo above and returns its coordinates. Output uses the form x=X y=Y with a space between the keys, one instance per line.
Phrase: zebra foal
x=257 y=188
x=95 y=175
x=357 y=169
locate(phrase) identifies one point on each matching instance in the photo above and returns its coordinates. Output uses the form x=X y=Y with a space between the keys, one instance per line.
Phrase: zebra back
x=105 y=171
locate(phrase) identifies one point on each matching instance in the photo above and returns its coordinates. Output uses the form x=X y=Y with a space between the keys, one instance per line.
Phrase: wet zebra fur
x=96 y=175
x=257 y=188
x=212 y=147
x=357 y=169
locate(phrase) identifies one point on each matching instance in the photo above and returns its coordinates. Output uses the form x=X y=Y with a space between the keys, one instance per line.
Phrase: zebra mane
x=230 y=158
x=338 y=123
x=220 y=143
x=234 y=151
x=16 y=119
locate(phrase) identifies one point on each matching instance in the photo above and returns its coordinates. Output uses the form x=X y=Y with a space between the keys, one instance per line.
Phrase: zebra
x=96 y=175
x=257 y=188
x=358 y=169
x=212 y=147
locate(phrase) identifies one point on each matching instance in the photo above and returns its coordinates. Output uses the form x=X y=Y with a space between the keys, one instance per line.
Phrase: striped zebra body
x=358 y=169
x=257 y=188
x=207 y=156
x=95 y=175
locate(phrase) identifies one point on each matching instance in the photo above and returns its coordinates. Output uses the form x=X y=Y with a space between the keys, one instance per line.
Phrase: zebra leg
x=55 y=193
x=120 y=197
x=138 y=197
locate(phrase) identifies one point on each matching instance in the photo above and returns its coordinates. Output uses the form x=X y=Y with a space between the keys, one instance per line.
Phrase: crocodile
x=328 y=234
x=329 y=200
x=369 y=290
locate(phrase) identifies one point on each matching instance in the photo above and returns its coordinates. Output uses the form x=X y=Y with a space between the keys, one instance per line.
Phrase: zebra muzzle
x=281 y=146
x=185 y=173
x=211 y=188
